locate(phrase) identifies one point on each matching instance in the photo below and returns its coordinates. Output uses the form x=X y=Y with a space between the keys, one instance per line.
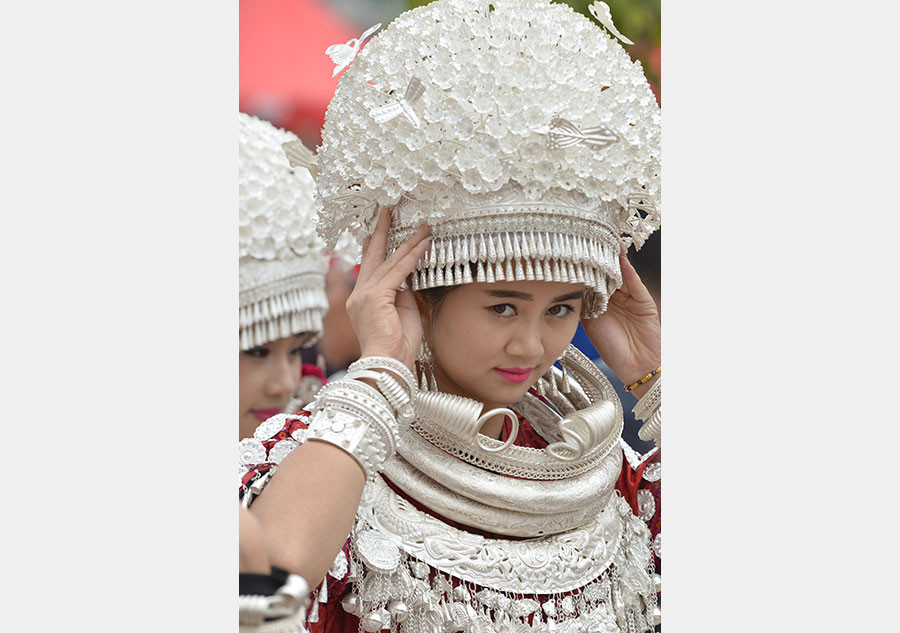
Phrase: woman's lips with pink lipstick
x=264 y=414
x=515 y=374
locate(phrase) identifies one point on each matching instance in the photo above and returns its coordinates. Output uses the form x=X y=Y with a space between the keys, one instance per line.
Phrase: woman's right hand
x=385 y=316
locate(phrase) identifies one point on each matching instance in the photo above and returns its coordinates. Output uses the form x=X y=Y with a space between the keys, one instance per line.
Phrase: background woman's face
x=269 y=375
x=491 y=342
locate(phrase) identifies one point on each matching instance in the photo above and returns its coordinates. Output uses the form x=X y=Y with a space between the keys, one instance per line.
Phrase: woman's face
x=491 y=342
x=269 y=375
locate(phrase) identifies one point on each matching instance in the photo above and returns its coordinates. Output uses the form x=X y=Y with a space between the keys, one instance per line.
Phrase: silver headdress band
x=559 y=236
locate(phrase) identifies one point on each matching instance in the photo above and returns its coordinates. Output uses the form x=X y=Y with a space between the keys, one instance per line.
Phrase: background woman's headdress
x=520 y=130
x=282 y=260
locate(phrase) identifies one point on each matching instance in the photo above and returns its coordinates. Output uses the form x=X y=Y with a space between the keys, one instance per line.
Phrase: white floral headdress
x=282 y=260
x=519 y=130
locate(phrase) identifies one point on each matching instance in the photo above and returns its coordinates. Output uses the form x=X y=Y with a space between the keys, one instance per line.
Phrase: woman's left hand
x=627 y=335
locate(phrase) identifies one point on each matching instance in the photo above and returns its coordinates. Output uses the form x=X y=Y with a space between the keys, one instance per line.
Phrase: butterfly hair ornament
x=564 y=134
x=600 y=10
x=402 y=105
x=343 y=54
x=519 y=130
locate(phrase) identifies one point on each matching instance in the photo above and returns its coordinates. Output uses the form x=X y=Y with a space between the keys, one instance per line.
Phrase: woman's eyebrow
x=570 y=296
x=510 y=294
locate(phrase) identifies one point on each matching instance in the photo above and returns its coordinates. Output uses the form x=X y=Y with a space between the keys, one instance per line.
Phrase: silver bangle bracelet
x=397 y=397
x=649 y=410
x=652 y=428
x=356 y=418
x=649 y=402
x=393 y=392
x=389 y=364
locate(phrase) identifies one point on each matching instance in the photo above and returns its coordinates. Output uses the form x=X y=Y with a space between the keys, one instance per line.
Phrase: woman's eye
x=297 y=351
x=257 y=352
x=560 y=310
x=503 y=309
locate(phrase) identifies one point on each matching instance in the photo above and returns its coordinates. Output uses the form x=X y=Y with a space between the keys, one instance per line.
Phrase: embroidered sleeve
x=260 y=455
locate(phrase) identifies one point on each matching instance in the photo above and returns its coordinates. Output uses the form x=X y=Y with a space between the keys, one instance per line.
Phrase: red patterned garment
x=638 y=483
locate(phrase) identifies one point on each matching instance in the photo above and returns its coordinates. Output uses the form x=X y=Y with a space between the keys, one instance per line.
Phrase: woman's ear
x=424 y=307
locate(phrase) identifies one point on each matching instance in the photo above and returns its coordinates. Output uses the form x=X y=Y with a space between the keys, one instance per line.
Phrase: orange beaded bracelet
x=644 y=379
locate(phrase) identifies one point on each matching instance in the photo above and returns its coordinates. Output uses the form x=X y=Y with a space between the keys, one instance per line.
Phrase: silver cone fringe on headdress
x=282 y=260
x=506 y=236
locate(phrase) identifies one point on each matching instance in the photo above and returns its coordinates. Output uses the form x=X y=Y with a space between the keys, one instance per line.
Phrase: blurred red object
x=284 y=73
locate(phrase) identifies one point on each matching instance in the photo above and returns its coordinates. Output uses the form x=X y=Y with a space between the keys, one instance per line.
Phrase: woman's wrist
x=641 y=390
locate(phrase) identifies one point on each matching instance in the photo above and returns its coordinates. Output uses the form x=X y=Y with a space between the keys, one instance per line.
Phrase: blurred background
x=286 y=78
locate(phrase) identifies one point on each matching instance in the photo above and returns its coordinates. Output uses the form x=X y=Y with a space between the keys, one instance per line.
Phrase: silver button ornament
x=549 y=608
x=419 y=570
x=377 y=551
x=398 y=610
x=461 y=594
x=351 y=604
x=373 y=621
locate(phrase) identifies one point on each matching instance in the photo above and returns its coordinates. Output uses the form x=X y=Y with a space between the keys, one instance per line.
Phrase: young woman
x=282 y=274
x=497 y=158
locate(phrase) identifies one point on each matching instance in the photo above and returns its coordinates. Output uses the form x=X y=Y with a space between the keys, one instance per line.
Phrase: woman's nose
x=283 y=378
x=526 y=342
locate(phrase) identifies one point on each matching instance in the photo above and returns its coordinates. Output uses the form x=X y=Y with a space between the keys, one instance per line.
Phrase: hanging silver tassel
x=466 y=272
x=529 y=270
x=451 y=258
x=566 y=387
x=500 y=252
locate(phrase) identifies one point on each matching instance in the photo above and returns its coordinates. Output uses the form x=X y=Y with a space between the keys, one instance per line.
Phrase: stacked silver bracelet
x=648 y=409
x=388 y=364
x=399 y=398
x=285 y=611
x=357 y=418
